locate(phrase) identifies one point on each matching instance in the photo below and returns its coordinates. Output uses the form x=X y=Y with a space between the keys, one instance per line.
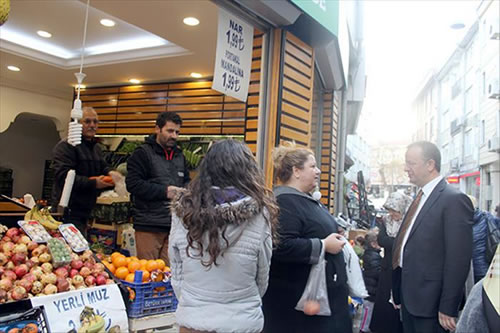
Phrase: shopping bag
x=354 y=275
x=314 y=299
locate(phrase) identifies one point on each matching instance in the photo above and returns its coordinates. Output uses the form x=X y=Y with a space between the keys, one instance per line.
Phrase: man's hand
x=334 y=243
x=172 y=191
x=100 y=184
x=447 y=322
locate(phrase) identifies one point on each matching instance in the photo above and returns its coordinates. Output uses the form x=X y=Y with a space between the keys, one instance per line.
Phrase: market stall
x=50 y=281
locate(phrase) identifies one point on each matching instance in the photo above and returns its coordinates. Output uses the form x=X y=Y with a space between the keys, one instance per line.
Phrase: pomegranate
x=18 y=258
x=32 y=245
x=311 y=308
x=10 y=265
x=86 y=255
x=21 y=270
x=35 y=261
x=3 y=259
x=105 y=274
x=10 y=275
x=98 y=268
x=45 y=257
x=50 y=289
x=19 y=293
x=25 y=240
x=6 y=284
x=39 y=250
x=37 y=287
x=47 y=267
x=25 y=284
x=37 y=271
x=49 y=278
x=30 y=277
x=20 y=248
x=3 y=296
x=7 y=248
x=30 y=264
x=77 y=280
x=73 y=272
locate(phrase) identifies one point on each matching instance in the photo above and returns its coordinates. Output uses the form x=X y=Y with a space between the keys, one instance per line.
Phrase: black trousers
x=414 y=324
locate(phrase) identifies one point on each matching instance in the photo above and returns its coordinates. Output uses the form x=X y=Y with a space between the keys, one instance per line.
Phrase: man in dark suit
x=433 y=249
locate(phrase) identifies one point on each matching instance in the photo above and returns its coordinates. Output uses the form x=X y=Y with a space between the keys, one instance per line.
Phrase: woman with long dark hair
x=305 y=228
x=223 y=227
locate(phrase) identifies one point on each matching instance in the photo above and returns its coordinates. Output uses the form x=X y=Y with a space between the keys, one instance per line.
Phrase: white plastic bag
x=354 y=275
x=315 y=290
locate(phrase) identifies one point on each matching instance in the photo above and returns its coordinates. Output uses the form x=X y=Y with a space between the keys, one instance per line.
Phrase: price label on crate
x=233 y=58
x=102 y=305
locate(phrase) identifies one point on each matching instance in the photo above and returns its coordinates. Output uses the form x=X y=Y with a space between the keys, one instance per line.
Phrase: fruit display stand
x=164 y=323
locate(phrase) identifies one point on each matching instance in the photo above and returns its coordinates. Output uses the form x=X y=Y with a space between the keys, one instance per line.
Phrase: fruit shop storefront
x=295 y=79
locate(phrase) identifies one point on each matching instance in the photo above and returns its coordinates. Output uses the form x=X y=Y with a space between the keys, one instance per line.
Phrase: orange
x=130 y=277
x=134 y=266
x=121 y=272
x=143 y=262
x=166 y=269
x=161 y=263
x=120 y=262
x=151 y=265
x=134 y=258
x=128 y=259
x=111 y=268
x=145 y=276
x=115 y=254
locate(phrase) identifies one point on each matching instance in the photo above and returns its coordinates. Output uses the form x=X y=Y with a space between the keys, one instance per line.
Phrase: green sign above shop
x=325 y=12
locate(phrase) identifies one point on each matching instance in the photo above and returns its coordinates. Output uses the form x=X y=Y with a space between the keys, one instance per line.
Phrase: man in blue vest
x=156 y=171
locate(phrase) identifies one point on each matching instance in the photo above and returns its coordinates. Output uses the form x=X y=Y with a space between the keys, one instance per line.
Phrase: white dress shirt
x=427 y=190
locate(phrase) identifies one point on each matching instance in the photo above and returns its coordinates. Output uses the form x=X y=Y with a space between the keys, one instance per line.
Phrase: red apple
x=89 y=265
x=62 y=284
x=85 y=271
x=16 y=238
x=90 y=281
x=61 y=272
x=73 y=272
x=47 y=267
x=8 y=247
x=311 y=308
x=98 y=268
x=21 y=270
x=35 y=260
x=77 y=264
x=100 y=280
x=3 y=296
x=10 y=265
x=12 y=232
x=30 y=264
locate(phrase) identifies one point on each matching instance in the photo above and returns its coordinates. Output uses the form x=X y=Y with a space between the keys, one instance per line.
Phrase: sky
x=404 y=41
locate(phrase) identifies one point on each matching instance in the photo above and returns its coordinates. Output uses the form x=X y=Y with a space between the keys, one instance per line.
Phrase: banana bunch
x=91 y=323
x=43 y=216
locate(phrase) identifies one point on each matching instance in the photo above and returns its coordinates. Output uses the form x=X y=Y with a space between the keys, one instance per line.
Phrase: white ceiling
x=181 y=49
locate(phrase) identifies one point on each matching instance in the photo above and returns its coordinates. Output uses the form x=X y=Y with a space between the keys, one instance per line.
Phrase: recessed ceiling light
x=13 y=68
x=82 y=86
x=457 y=26
x=192 y=21
x=108 y=23
x=134 y=81
x=44 y=34
x=196 y=75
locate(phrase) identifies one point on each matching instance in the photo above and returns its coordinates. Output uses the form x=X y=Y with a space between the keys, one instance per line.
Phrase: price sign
x=233 y=59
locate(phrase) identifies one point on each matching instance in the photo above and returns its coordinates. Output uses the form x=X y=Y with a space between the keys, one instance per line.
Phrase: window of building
x=468 y=101
x=468 y=143
x=482 y=131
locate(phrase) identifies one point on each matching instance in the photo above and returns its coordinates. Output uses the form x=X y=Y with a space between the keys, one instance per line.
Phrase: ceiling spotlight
x=192 y=21
x=13 y=68
x=44 y=34
x=108 y=23
x=134 y=81
x=195 y=75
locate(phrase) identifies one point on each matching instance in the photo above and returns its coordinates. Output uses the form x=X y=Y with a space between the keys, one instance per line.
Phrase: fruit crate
x=18 y=320
x=150 y=299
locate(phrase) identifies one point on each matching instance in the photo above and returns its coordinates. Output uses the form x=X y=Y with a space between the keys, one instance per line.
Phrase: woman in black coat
x=385 y=318
x=305 y=227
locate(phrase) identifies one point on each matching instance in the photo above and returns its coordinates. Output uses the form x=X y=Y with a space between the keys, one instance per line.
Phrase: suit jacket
x=437 y=255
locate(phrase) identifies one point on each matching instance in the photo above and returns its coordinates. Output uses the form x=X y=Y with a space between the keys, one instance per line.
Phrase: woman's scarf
x=398 y=202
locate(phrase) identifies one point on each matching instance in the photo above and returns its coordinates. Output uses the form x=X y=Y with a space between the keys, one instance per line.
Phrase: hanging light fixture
x=4 y=11
x=75 y=128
